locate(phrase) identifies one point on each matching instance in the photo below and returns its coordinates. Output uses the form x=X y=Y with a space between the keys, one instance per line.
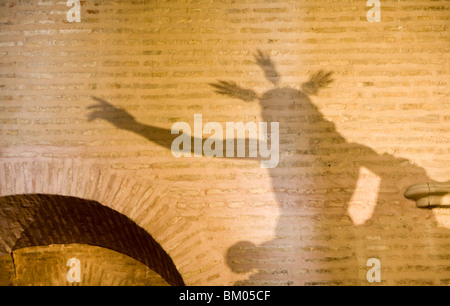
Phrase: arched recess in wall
x=40 y=219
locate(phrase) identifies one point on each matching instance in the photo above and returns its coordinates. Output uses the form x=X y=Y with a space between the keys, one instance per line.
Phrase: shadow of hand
x=265 y=62
x=106 y=111
x=263 y=59
x=233 y=90
x=317 y=81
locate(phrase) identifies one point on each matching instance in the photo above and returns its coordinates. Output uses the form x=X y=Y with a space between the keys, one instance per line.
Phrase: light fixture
x=429 y=194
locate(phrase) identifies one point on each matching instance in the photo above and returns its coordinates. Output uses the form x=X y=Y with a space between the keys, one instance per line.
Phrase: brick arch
x=41 y=219
x=148 y=204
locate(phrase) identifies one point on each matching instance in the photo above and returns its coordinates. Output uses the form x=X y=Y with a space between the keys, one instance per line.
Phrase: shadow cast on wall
x=314 y=182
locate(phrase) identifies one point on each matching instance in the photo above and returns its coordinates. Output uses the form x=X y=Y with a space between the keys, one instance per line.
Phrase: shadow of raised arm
x=160 y=136
x=123 y=120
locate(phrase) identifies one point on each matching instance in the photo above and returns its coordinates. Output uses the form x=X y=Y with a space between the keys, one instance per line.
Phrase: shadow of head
x=242 y=257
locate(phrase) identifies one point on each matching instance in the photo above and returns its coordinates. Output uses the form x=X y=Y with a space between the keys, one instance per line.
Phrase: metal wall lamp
x=429 y=194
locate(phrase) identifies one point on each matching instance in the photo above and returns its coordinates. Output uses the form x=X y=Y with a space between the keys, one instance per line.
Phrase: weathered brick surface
x=387 y=112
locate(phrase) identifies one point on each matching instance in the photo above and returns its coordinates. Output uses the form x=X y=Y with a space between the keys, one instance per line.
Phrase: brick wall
x=347 y=152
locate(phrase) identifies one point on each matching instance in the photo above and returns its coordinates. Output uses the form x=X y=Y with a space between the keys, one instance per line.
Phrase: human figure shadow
x=314 y=184
x=315 y=179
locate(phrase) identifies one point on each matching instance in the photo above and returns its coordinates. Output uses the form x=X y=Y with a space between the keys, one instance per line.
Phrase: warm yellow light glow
x=364 y=199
